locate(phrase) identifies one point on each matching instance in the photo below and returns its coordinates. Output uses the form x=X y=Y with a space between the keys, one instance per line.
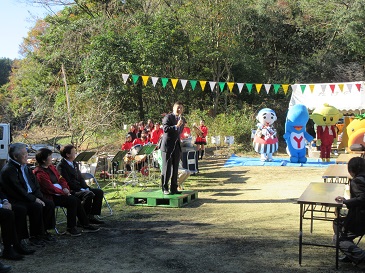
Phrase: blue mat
x=234 y=161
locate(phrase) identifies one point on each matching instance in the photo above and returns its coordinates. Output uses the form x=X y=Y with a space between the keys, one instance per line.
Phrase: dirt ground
x=245 y=220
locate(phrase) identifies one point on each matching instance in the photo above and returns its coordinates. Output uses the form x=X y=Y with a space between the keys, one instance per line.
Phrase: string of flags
x=333 y=87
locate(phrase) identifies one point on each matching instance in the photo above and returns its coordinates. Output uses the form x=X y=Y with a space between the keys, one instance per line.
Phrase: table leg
x=337 y=235
x=300 y=234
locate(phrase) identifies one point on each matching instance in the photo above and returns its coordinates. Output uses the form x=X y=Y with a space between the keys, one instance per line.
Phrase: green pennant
x=164 y=81
x=303 y=86
x=249 y=87
x=193 y=84
x=222 y=85
x=276 y=88
x=135 y=78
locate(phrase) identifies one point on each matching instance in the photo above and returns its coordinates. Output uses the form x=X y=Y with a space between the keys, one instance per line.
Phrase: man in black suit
x=22 y=188
x=12 y=219
x=173 y=124
x=91 y=198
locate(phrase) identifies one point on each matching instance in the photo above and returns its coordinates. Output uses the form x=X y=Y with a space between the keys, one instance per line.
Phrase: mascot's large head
x=325 y=115
x=297 y=118
x=266 y=116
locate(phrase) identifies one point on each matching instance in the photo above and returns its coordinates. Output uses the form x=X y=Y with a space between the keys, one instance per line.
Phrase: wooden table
x=344 y=158
x=336 y=173
x=319 y=195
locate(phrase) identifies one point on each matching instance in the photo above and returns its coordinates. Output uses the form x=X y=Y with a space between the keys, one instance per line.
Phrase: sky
x=16 y=19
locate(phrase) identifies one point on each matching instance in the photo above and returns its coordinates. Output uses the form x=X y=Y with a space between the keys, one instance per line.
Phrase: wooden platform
x=155 y=198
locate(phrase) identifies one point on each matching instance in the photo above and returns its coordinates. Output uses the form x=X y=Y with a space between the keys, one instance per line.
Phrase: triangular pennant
x=145 y=79
x=311 y=87
x=303 y=86
x=125 y=77
x=258 y=87
x=323 y=87
x=358 y=86
x=332 y=86
x=164 y=81
x=340 y=86
x=267 y=88
x=135 y=78
x=202 y=84
x=285 y=88
x=174 y=82
x=154 y=81
x=294 y=87
x=193 y=84
x=222 y=85
x=212 y=85
x=349 y=87
x=183 y=83
x=230 y=86
x=276 y=87
x=249 y=87
x=240 y=86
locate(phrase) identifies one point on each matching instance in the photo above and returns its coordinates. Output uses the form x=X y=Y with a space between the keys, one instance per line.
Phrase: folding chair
x=89 y=176
x=61 y=221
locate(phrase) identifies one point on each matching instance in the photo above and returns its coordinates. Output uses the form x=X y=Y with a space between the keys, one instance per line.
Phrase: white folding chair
x=89 y=176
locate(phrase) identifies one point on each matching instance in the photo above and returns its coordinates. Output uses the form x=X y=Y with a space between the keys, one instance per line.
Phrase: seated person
x=22 y=189
x=143 y=140
x=9 y=218
x=128 y=144
x=54 y=187
x=353 y=224
x=186 y=133
x=156 y=133
x=91 y=198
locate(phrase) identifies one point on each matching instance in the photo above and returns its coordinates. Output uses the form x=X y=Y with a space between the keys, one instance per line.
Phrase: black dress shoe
x=23 y=249
x=4 y=268
x=10 y=254
x=94 y=220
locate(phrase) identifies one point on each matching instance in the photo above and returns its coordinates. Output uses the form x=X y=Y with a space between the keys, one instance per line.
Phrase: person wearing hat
x=128 y=144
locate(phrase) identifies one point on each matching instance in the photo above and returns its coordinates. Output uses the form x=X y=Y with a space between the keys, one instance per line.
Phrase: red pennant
x=332 y=86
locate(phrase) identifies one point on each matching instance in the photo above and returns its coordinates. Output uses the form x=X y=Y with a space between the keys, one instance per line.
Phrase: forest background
x=69 y=87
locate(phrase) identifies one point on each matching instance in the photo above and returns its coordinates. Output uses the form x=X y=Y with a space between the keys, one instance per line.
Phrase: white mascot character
x=265 y=141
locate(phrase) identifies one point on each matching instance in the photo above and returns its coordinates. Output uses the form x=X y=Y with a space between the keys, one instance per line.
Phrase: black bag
x=357 y=147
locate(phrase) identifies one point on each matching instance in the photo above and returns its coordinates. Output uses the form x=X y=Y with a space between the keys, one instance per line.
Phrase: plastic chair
x=89 y=176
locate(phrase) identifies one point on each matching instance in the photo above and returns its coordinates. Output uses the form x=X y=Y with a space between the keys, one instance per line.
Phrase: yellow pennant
x=258 y=87
x=340 y=85
x=145 y=79
x=285 y=88
x=311 y=87
x=174 y=82
x=230 y=86
x=202 y=84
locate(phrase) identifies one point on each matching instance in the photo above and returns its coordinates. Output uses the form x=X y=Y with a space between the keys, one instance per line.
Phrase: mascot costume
x=265 y=141
x=355 y=131
x=326 y=117
x=296 y=134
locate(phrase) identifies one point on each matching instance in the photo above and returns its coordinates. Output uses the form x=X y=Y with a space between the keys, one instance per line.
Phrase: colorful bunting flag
x=145 y=79
x=193 y=84
x=154 y=81
x=240 y=86
x=164 y=82
x=125 y=78
x=222 y=85
x=174 y=82
x=183 y=83
x=202 y=84
x=258 y=87
x=230 y=86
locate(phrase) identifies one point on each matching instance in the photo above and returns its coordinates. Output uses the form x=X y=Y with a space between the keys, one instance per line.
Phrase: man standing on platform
x=173 y=124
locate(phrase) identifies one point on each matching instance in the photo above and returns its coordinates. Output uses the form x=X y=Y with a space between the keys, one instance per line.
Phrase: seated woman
x=54 y=187
x=91 y=198
x=353 y=224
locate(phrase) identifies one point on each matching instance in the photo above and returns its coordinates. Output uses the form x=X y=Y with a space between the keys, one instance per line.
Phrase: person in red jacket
x=128 y=144
x=54 y=187
x=201 y=138
x=156 y=133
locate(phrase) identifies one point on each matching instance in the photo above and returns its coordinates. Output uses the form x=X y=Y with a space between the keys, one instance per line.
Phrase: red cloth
x=47 y=187
x=139 y=141
x=155 y=135
x=127 y=146
x=204 y=129
x=185 y=133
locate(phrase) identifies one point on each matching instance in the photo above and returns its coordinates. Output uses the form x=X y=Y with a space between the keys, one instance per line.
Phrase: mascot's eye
x=331 y=118
x=324 y=119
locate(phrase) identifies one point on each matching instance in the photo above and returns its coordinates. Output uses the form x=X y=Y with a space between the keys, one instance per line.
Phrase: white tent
x=346 y=96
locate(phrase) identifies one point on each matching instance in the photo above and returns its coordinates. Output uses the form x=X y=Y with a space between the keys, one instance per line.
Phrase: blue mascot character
x=296 y=134
x=265 y=141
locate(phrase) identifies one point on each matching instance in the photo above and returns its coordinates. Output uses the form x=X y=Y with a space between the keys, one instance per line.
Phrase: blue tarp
x=234 y=161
